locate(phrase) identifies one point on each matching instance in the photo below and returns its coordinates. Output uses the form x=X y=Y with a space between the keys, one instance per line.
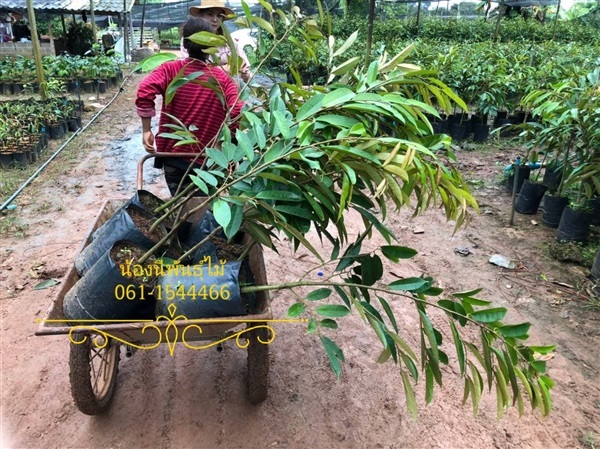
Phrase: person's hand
x=148 y=141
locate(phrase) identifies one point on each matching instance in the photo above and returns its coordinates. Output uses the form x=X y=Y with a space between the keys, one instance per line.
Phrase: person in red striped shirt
x=193 y=104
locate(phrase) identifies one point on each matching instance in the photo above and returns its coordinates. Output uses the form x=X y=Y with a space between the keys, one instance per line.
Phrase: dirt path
x=198 y=399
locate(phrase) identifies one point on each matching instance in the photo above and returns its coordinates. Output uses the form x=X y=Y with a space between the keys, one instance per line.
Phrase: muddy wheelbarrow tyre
x=93 y=374
x=258 y=365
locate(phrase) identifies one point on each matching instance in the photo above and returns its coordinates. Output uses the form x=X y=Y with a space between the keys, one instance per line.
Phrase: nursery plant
x=360 y=142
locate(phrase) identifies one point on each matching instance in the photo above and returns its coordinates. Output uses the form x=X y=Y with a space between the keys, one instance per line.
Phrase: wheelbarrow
x=95 y=347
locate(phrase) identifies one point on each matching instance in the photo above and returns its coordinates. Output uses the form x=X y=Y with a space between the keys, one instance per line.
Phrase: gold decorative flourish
x=107 y=335
x=236 y=335
x=172 y=331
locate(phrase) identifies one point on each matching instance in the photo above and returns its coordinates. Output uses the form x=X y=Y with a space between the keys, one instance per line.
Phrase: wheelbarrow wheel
x=258 y=365
x=93 y=373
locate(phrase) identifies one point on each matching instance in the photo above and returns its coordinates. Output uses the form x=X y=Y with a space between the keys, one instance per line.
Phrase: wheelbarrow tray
x=148 y=331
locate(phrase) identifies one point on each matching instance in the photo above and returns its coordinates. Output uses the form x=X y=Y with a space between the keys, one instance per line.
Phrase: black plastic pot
x=574 y=226
x=56 y=131
x=596 y=267
x=481 y=132
x=106 y=292
x=210 y=290
x=594 y=203
x=119 y=227
x=20 y=159
x=524 y=172
x=529 y=198
x=440 y=126
x=458 y=131
x=553 y=209
x=72 y=125
x=141 y=199
x=6 y=160
x=552 y=178
x=17 y=88
x=102 y=87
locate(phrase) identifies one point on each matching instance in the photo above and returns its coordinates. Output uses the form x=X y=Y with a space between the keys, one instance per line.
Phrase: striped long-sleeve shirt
x=193 y=103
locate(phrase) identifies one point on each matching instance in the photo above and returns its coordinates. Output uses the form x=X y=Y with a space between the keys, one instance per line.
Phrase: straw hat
x=209 y=4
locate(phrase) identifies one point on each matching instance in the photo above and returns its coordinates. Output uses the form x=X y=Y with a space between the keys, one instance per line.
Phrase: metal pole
x=93 y=18
x=514 y=190
x=555 y=20
x=500 y=12
x=37 y=53
x=142 y=24
x=418 y=16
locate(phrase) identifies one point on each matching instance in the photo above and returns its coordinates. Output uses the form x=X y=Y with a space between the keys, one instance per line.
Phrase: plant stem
x=202 y=242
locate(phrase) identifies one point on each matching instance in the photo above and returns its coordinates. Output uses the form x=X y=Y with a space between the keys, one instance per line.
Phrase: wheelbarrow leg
x=258 y=364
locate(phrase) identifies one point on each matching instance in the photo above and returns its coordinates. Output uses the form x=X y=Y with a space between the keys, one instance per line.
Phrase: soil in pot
x=131 y=223
x=529 y=198
x=574 y=225
x=524 y=172
x=115 y=288
x=553 y=209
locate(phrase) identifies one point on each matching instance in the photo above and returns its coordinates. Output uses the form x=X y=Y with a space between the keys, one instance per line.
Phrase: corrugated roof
x=69 y=6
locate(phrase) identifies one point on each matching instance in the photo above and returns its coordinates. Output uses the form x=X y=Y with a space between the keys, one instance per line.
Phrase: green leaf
x=332 y=311
x=235 y=223
x=264 y=25
x=329 y=323
x=311 y=107
x=151 y=62
x=283 y=124
x=337 y=96
x=222 y=212
x=489 y=315
x=385 y=355
x=411 y=402
x=218 y=157
x=335 y=355
x=199 y=183
x=427 y=328
x=207 y=39
x=467 y=293
x=46 y=284
x=283 y=195
x=428 y=384
x=246 y=144
x=317 y=295
x=346 y=45
x=388 y=312
x=539 y=366
x=514 y=330
x=296 y=309
x=206 y=177
x=543 y=349
x=394 y=252
x=408 y=284
x=346 y=66
x=460 y=350
x=342 y=294
x=371 y=269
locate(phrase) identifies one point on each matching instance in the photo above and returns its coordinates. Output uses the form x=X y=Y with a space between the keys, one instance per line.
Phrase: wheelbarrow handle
x=140 y=170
